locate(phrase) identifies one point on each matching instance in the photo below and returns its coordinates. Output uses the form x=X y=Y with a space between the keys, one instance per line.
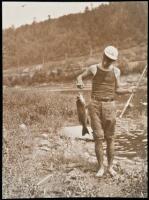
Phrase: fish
x=82 y=113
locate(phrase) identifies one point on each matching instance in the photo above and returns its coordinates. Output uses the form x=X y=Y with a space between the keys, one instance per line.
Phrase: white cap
x=111 y=52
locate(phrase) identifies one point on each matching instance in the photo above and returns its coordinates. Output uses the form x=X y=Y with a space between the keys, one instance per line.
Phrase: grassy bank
x=28 y=115
x=39 y=113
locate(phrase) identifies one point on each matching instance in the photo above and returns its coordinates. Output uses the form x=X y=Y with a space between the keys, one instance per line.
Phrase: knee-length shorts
x=103 y=119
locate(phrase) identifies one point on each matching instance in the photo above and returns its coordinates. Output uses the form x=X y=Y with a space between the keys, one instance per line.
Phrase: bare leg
x=99 y=155
x=94 y=111
x=110 y=156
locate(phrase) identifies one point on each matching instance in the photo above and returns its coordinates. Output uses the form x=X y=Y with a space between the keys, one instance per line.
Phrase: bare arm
x=85 y=74
x=119 y=89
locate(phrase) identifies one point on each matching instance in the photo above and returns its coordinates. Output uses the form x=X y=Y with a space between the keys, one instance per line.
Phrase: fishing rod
x=131 y=96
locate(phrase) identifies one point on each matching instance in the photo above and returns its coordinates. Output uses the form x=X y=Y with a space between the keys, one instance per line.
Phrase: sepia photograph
x=74 y=99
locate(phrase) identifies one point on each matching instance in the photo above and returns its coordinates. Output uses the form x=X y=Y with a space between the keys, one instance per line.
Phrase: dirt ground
x=65 y=167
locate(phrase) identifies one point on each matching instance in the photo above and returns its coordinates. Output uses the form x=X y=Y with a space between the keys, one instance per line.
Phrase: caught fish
x=82 y=114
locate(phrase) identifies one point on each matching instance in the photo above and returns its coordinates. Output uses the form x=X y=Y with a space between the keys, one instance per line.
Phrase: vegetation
x=130 y=62
x=122 y=24
x=33 y=109
x=29 y=115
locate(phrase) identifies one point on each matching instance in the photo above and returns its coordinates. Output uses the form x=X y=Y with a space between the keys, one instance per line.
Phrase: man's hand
x=80 y=84
x=132 y=89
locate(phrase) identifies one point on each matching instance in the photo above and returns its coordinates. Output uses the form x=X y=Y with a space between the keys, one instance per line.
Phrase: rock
x=144 y=103
x=43 y=143
x=130 y=105
x=73 y=165
x=69 y=155
x=26 y=146
x=73 y=174
x=23 y=126
x=145 y=140
x=74 y=132
x=45 y=148
x=44 y=135
x=92 y=159
x=122 y=178
x=86 y=155
x=120 y=158
x=137 y=159
x=131 y=152
x=5 y=135
x=38 y=152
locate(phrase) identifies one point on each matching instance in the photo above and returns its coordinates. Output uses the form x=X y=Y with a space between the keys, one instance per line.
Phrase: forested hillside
x=120 y=23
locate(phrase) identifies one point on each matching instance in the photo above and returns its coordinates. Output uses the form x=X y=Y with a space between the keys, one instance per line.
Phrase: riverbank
x=39 y=161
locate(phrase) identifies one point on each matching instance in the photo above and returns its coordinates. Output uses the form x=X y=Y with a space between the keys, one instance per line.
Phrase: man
x=102 y=110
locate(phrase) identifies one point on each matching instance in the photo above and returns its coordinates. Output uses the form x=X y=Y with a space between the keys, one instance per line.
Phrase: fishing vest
x=103 y=85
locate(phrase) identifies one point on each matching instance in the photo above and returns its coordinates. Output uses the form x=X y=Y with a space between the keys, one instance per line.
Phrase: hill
x=123 y=24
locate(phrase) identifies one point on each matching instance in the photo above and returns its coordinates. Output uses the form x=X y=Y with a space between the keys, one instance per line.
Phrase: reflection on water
x=131 y=146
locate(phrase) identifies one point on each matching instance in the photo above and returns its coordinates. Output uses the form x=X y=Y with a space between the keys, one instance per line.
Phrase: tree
x=49 y=17
x=86 y=9
x=75 y=34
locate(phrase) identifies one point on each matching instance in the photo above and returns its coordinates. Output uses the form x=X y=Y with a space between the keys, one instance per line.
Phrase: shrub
x=123 y=66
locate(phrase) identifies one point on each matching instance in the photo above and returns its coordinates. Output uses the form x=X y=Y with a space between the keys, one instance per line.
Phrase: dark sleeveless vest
x=103 y=85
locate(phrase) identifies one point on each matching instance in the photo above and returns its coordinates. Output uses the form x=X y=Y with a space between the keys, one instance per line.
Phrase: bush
x=138 y=68
x=32 y=107
x=131 y=67
x=123 y=66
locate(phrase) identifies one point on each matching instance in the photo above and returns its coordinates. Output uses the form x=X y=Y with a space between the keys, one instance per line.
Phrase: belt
x=103 y=99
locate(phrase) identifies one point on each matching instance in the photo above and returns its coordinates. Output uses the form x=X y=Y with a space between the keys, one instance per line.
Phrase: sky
x=20 y=13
